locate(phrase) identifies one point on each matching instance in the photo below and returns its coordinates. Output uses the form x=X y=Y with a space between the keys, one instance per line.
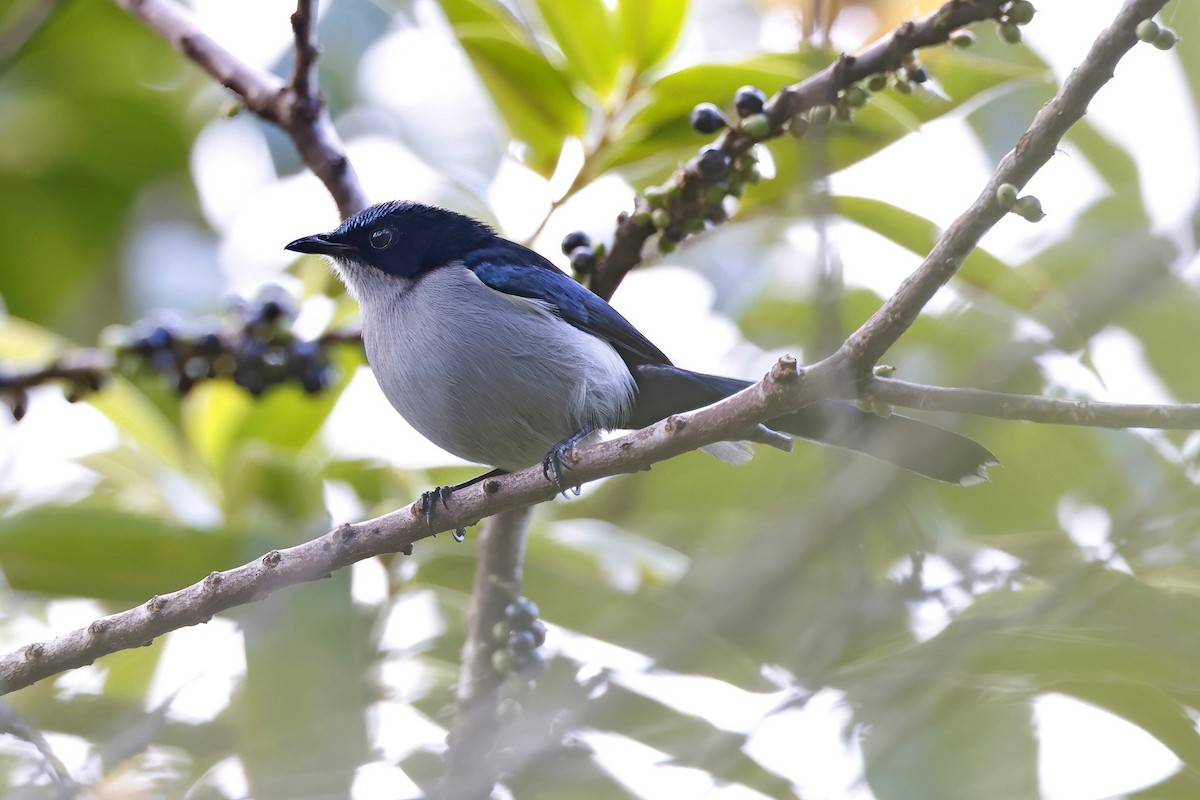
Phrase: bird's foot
x=559 y=458
x=430 y=500
x=441 y=494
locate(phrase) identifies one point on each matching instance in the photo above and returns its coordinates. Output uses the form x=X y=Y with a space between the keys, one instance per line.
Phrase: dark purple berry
x=315 y=378
x=532 y=666
x=917 y=74
x=209 y=344
x=573 y=241
x=749 y=100
x=674 y=232
x=538 y=630
x=707 y=118
x=583 y=260
x=714 y=163
x=521 y=613
x=521 y=643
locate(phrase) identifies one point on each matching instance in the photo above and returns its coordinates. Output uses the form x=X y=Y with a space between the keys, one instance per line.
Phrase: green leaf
x=650 y=29
x=534 y=98
x=301 y=723
x=660 y=134
x=918 y=235
x=109 y=555
x=586 y=33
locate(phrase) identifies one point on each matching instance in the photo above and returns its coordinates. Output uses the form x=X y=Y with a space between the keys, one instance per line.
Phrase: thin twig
x=295 y=108
x=1033 y=408
x=865 y=346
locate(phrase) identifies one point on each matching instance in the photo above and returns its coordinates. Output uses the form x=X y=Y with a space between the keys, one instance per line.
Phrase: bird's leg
x=430 y=499
x=556 y=459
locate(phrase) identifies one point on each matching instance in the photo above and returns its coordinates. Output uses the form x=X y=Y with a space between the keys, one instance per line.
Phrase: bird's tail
x=907 y=443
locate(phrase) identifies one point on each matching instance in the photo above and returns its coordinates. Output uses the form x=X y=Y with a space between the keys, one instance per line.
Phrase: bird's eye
x=381 y=238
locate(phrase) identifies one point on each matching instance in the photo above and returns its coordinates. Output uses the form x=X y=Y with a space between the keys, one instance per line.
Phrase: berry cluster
x=578 y=247
x=1028 y=207
x=260 y=353
x=1151 y=32
x=518 y=637
x=1013 y=15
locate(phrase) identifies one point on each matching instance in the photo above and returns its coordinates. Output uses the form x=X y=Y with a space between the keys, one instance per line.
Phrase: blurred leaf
x=586 y=32
x=535 y=99
x=80 y=139
x=139 y=419
x=301 y=722
x=109 y=555
x=905 y=750
x=650 y=29
x=918 y=235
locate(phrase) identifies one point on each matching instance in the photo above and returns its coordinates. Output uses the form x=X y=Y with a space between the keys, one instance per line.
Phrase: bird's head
x=399 y=238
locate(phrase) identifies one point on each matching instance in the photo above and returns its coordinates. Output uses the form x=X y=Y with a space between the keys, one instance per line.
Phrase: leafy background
x=807 y=625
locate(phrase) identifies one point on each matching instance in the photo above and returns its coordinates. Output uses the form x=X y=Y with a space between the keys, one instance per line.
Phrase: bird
x=495 y=355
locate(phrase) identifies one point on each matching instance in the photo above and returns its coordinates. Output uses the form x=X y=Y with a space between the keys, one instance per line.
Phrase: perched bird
x=496 y=356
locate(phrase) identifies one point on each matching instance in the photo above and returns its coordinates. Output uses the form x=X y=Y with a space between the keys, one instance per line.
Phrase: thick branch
x=471 y=768
x=781 y=391
x=866 y=345
x=295 y=108
x=1033 y=408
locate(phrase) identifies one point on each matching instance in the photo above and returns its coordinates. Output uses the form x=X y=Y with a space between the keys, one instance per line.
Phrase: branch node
x=407 y=549
x=156 y=604
x=213 y=581
x=491 y=486
x=675 y=424
x=35 y=651
x=345 y=531
x=98 y=628
x=272 y=559
x=784 y=372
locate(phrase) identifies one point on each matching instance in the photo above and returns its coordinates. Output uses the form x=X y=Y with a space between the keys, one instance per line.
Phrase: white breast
x=491 y=378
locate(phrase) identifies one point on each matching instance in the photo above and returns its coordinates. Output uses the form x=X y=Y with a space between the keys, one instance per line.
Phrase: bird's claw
x=556 y=460
x=429 y=501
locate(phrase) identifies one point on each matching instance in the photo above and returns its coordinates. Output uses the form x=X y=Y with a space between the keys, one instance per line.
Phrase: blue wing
x=513 y=269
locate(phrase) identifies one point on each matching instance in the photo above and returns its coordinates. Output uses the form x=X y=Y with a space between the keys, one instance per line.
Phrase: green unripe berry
x=820 y=115
x=1006 y=196
x=641 y=217
x=1148 y=30
x=1020 y=12
x=882 y=409
x=962 y=38
x=798 y=126
x=877 y=83
x=501 y=630
x=502 y=661
x=855 y=96
x=902 y=86
x=660 y=218
x=843 y=113
x=1030 y=208
x=1166 y=39
x=757 y=126
x=1009 y=32
x=654 y=196
x=665 y=245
